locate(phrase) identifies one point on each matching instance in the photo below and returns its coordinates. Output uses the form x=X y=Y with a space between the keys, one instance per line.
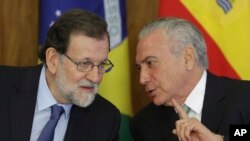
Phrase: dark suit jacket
x=237 y=111
x=155 y=123
x=18 y=91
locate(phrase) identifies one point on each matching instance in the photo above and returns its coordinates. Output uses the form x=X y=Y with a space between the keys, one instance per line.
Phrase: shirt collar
x=45 y=98
x=196 y=97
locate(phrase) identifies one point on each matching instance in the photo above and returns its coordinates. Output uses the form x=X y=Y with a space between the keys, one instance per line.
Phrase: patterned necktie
x=185 y=108
x=47 y=133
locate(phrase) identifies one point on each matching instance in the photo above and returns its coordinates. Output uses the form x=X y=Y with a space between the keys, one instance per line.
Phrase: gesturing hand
x=190 y=129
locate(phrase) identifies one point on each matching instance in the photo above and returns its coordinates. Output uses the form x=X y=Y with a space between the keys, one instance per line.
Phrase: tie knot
x=56 y=112
x=185 y=108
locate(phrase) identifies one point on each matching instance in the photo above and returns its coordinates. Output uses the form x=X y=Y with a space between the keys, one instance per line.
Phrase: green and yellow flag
x=115 y=85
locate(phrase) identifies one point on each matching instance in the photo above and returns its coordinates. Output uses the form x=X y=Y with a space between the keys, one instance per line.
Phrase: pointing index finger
x=182 y=114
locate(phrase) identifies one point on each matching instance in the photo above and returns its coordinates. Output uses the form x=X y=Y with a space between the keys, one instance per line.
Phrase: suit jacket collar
x=79 y=124
x=166 y=123
x=80 y=121
x=214 y=103
x=23 y=104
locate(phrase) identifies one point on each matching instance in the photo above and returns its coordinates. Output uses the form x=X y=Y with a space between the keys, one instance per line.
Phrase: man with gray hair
x=172 y=59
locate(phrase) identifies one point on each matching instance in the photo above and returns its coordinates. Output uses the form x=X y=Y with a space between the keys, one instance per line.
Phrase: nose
x=144 y=76
x=94 y=76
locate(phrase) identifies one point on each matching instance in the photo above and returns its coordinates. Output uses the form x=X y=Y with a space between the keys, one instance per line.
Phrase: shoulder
x=228 y=85
x=100 y=109
x=228 y=82
x=148 y=124
x=103 y=111
x=101 y=119
x=11 y=71
x=104 y=105
x=14 y=72
x=238 y=92
x=150 y=113
x=18 y=76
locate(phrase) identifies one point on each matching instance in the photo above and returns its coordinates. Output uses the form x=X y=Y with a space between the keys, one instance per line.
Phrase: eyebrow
x=144 y=60
x=88 y=59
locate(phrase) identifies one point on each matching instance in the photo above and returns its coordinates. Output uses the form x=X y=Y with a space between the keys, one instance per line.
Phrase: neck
x=192 y=79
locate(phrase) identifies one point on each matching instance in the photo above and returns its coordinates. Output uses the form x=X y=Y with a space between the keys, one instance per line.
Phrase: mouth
x=88 y=88
x=150 y=93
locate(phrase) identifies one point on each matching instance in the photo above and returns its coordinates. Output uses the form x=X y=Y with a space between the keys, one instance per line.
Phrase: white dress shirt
x=195 y=100
x=43 y=111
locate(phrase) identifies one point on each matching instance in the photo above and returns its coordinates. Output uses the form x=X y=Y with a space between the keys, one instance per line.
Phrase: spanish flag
x=225 y=26
x=116 y=84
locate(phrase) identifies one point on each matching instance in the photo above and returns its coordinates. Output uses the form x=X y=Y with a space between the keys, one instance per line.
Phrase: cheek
x=159 y=75
x=73 y=76
x=101 y=77
x=165 y=80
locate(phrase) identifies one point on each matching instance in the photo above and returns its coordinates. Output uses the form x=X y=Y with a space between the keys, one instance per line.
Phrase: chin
x=157 y=102
x=168 y=104
x=85 y=101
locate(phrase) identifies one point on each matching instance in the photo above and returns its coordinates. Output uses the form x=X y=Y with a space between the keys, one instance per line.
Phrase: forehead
x=81 y=47
x=154 y=44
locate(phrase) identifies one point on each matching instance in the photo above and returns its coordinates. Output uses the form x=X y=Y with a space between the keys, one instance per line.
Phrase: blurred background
x=224 y=23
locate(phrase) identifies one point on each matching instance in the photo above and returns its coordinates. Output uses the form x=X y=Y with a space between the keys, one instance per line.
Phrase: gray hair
x=183 y=33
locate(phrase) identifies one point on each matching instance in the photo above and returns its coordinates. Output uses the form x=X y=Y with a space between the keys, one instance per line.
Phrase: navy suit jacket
x=157 y=122
x=18 y=92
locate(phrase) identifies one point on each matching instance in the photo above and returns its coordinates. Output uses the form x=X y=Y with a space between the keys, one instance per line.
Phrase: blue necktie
x=47 y=133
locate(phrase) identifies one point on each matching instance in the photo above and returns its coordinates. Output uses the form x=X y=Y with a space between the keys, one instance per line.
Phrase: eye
x=151 y=63
x=138 y=67
x=102 y=65
x=84 y=64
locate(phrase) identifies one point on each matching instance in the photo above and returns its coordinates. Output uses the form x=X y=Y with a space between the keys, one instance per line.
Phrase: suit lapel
x=23 y=105
x=166 y=123
x=79 y=124
x=22 y=113
x=214 y=103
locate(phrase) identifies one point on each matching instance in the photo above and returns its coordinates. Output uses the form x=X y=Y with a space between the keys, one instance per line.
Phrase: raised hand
x=190 y=129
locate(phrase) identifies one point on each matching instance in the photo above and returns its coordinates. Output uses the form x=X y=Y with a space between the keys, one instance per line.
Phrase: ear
x=52 y=59
x=189 y=57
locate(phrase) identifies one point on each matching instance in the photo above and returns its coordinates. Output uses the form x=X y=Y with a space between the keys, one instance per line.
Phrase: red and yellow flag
x=225 y=26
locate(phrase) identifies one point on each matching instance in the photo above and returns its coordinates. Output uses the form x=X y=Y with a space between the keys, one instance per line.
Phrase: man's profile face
x=161 y=72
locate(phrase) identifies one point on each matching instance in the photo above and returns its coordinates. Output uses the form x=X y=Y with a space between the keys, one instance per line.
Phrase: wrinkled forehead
x=82 y=46
x=152 y=44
